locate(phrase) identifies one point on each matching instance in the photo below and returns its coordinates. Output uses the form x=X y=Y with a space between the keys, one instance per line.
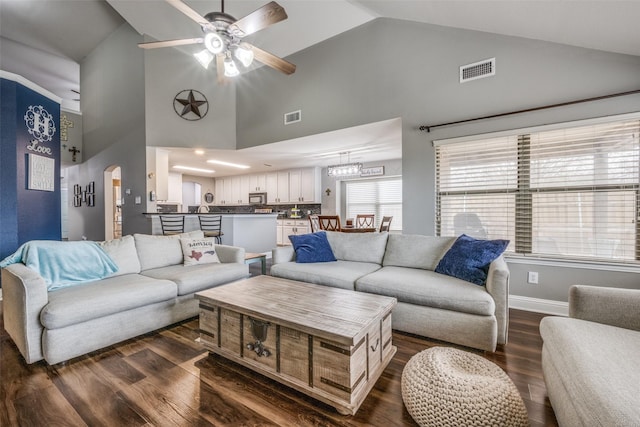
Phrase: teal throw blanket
x=63 y=264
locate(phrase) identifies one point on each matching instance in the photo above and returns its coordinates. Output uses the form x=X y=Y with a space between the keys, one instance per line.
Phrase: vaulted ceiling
x=73 y=28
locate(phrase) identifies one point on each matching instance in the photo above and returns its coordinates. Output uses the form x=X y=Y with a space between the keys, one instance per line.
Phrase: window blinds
x=570 y=193
x=382 y=197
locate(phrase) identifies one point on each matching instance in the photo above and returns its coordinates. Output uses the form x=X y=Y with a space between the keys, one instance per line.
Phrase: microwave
x=258 y=198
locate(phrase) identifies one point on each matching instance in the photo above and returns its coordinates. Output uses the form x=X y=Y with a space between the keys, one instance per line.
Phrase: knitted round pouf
x=443 y=386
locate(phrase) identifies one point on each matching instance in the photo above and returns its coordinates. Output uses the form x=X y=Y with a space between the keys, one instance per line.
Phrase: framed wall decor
x=91 y=187
x=91 y=200
x=76 y=190
x=77 y=201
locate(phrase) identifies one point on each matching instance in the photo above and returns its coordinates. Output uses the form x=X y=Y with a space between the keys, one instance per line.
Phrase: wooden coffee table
x=331 y=344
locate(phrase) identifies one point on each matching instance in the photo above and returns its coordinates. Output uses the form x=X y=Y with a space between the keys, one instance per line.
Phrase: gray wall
x=113 y=108
x=170 y=71
x=389 y=68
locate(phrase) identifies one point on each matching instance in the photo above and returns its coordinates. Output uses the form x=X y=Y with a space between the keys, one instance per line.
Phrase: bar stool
x=172 y=224
x=211 y=225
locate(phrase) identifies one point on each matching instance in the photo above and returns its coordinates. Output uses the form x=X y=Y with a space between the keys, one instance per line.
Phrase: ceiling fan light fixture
x=214 y=43
x=244 y=55
x=230 y=68
x=204 y=57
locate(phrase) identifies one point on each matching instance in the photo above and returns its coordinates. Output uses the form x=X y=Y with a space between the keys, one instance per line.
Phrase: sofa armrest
x=24 y=295
x=230 y=253
x=282 y=254
x=498 y=287
x=610 y=306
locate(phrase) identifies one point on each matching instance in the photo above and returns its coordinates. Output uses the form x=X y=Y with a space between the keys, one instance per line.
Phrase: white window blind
x=381 y=197
x=569 y=193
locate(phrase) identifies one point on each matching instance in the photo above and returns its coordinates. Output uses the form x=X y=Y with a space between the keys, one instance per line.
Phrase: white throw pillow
x=199 y=251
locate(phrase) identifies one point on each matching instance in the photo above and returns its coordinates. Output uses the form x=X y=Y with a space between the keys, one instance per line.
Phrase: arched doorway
x=112 y=202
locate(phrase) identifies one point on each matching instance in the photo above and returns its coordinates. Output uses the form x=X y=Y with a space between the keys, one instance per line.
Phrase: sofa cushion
x=77 y=304
x=339 y=274
x=427 y=288
x=199 y=251
x=598 y=367
x=362 y=247
x=469 y=259
x=123 y=252
x=416 y=251
x=194 y=278
x=161 y=251
x=313 y=247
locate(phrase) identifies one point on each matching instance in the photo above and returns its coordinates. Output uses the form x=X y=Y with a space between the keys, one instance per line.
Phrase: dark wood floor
x=165 y=379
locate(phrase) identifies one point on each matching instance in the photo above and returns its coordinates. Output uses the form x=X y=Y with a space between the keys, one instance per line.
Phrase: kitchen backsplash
x=283 y=210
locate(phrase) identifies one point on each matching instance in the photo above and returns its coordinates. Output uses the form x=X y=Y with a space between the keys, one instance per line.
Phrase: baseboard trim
x=546 y=306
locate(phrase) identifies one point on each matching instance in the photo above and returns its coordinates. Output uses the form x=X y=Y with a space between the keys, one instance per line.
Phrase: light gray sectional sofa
x=590 y=359
x=151 y=289
x=402 y=266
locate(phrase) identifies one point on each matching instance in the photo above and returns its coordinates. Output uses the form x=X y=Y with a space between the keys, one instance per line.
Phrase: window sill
x=566 y=263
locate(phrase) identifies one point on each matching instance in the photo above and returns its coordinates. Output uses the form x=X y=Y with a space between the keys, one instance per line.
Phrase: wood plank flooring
x=166 y=379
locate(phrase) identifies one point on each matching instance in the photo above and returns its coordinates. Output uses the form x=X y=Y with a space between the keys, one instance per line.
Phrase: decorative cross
x=74 y=151
x=65 y=123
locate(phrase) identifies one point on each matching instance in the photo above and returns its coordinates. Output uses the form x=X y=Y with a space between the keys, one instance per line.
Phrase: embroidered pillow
x=312 y=247
x=468 y=258
x=199 y=251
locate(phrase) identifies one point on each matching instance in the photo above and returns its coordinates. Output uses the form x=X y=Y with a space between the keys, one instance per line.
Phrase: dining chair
x=211 y=226
x=385 y=225
x=173 y=224
x=329 y=222
x=365 y=221
x=314 y=222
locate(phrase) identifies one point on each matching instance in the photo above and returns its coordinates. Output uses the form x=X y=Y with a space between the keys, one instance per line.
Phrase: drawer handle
x=375 y=347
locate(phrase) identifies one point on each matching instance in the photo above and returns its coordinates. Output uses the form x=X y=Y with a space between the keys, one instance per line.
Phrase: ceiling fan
x=223 y=36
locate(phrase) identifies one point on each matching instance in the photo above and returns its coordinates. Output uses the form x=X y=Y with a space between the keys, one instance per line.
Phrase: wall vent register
x=478 y=70
x=293 y=117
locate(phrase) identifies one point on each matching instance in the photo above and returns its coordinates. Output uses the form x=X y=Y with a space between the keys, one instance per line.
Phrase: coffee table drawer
x=230 y=331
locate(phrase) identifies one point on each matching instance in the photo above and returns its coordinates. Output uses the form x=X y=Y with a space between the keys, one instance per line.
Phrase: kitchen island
x=253 y=232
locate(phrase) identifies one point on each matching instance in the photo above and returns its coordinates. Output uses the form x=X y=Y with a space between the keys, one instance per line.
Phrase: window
x=568 y=192
x=382 y=197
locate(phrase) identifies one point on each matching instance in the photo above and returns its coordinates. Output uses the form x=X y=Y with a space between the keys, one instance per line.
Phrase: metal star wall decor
x=191 y=104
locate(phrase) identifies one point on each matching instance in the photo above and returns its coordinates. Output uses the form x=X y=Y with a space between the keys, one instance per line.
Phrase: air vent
x=478 y=70
x=293 y=117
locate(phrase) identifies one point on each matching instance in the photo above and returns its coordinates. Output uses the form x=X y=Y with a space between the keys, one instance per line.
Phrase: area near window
x=569 y=191
x=382 y=197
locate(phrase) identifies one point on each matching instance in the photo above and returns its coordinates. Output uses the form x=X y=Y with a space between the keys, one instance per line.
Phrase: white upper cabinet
x=304 y=185
x=292 y=186
x=174 y=187
x=258 y=183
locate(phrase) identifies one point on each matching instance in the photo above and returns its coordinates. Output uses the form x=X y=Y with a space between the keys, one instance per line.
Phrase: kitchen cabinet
x=277 y=187
x=239 y=190
x=174 y=187
x=304 y=185
x=288 y=227
x=258 y=183
x=224 y=193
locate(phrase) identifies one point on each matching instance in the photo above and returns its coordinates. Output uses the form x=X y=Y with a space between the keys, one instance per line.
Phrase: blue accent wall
x=26 y=214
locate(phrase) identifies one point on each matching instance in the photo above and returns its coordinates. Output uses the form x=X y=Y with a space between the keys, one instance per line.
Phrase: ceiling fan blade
x=170 y=43
x=257 y=20
x=192 y=14
x=272 y=61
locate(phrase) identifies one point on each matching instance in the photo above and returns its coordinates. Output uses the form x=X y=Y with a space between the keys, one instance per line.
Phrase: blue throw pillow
x=312 y=247
x=468 y=259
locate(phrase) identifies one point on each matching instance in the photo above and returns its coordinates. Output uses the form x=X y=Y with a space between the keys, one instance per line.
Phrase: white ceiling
x=71 y=29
